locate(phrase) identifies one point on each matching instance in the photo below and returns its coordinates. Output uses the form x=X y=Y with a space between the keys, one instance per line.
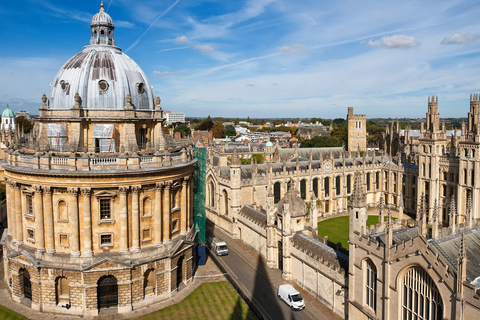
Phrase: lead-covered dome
x=103 y=76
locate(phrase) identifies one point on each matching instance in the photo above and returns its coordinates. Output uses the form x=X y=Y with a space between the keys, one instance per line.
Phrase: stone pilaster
x=74 y=225
x=183 y=207
x=49 y=229
x=157 y=215
x=135 y=219
x=166 y=212
x=39 y=226
x=87 y=222
x=123 y=220
x=18 y=213
x=9 y=196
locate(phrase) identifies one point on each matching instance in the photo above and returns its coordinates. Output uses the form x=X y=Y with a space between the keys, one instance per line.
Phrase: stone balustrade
x=92 y=162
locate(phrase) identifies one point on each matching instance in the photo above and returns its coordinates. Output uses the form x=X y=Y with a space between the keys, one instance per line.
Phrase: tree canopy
x=229 y=131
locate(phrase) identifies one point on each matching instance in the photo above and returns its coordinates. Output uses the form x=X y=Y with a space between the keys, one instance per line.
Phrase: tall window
x=337 y=185
x=276 y=192
x=62 y=211
x=303 y=189
x=327 y=186
x=368 y=181
x=212 y=194
x=315 y=187
x=421 y=299
x=29 y=204
x=105 y=212
x=371 y=285
x=349 y=184
x=225 y=202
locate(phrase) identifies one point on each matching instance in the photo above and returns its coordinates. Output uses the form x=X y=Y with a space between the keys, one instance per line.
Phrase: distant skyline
x=260 y=58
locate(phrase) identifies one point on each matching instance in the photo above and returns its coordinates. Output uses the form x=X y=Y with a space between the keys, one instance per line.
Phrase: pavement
x=266 y=301
x=207 y=273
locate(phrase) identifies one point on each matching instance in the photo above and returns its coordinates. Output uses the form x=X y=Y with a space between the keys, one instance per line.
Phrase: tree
x=205 y=125
x=183 y=129
x=229 y=131
x=218 y=130
x=25 y=123
x=321 y=142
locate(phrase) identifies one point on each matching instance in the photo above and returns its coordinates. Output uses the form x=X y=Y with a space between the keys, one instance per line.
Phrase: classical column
x=18 y=213
x=74 y=218
x=87 y=222
x=184 y=212
x=190 y=202
x=10 y=199
x=135 y=219
x=123 y=220
x=49 y=226
x=157 y=215
x=166 y=212
x=39 y=226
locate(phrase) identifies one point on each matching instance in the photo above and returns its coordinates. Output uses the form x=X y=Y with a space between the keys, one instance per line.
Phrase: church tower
x=357 y=131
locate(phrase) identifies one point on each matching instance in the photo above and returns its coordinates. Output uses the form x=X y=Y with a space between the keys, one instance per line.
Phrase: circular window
x=64 y=85
x=103 y=85
x=140 y=87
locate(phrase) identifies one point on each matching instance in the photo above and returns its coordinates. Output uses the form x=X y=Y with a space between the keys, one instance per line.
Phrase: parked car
x=292 y=297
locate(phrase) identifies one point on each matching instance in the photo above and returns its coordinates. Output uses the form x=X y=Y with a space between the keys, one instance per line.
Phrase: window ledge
x=106 y=221
x=147 y=217
x=106 y=245
x=30 y=217
x=147 y=239
x=62 y=221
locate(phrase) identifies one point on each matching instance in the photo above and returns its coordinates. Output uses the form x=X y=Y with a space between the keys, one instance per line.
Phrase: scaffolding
x=199 y=194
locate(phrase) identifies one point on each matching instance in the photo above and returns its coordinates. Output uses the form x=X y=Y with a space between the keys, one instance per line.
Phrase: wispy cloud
x=124 y=24
x=293 y=48
x=181 y=39
x=458 y=38
x=394 y=42
x=204 y=48
x=57 y=11
x=168 y=73
x=133 y=45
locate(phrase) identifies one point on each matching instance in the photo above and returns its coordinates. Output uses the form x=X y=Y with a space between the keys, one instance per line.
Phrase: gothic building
x=99 y=205
x=423 y=265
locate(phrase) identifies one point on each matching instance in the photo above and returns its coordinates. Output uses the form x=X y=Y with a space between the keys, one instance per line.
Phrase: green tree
x=229 y=131
x=218 y=129
x=205 y=125
x=183 y=129
x=321 y=142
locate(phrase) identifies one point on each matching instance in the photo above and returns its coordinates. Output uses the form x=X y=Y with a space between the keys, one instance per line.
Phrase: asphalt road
x=254 y=278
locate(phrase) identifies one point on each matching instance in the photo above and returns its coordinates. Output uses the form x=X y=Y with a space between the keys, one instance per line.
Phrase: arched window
x=303 y=189
x=327 y=186
x=315 y=187
x=276 y=192
x=368 y=181
x=149 y=283
x=370 y=285
x=225 y=202
x=62 y=291
x=211 y=191
x=62 y=211
x=349 y=184
x=147 y=207
x=420 y=299
x=337 y=185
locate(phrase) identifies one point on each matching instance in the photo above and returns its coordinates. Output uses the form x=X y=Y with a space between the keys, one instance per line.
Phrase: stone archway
x=26 y=284
x=107 y=292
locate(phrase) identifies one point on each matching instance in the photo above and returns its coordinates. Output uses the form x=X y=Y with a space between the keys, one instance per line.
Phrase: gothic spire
x=358 y=196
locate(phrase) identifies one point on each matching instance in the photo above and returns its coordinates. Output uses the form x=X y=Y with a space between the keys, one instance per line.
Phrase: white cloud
x=124 y=24
x=168 y=73
x=293 y=48
x=393 y=42
x=458 y=38
x=181 y=39
x=204 y=48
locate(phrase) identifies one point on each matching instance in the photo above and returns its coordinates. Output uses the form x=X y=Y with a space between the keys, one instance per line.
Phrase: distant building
x=357 y=131
x=309 y=131
x=8 y=120
x=23 y=113
x=174 y=117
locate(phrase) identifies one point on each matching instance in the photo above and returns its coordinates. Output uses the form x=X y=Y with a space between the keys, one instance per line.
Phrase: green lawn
x=215 y=300
x=337 y=228
x=10 y=315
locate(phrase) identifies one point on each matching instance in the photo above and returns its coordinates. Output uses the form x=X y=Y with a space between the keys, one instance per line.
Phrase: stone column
x=135 y=219
x=123 y=220
x=49 y=225
x=166 y=212
x=157 y=215
x=190 y=203
x=39 y=226
x=87 y=222
x=73 y=206
x=183 y=204
x=18 y=213
x=9 y=211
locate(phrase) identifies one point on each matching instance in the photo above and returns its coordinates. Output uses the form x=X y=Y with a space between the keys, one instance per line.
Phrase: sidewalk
x=315 y=308
x=207 y=273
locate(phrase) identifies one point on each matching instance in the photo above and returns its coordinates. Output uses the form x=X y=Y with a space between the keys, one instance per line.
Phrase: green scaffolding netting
x=199 y=193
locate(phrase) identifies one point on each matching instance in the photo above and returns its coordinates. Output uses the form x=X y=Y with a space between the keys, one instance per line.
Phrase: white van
x=220 y=248
x=291 y=297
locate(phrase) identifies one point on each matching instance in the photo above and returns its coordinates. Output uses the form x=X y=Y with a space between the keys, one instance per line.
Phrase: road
x=255 y=280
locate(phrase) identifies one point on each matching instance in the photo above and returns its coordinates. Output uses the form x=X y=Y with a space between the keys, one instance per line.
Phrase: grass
x=10 y=315
x=214 y=300
x=337 y=228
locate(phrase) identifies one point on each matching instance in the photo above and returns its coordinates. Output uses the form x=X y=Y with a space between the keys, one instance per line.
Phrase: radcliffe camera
x=239 y=160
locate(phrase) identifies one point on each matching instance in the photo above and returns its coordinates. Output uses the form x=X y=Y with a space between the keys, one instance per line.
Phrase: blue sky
x=260 y=58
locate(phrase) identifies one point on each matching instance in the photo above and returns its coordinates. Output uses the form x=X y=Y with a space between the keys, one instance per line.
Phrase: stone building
x=357 y=131
x=99 y=206
x=8 y=120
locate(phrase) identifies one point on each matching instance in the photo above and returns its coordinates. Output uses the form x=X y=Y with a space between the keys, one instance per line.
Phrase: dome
x=104 y=77
x=269 y=144
x=8 y=113
x=102 y=18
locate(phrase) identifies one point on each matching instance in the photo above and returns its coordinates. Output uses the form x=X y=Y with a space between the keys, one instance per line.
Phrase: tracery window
x=371 y=285
x=421 y=299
